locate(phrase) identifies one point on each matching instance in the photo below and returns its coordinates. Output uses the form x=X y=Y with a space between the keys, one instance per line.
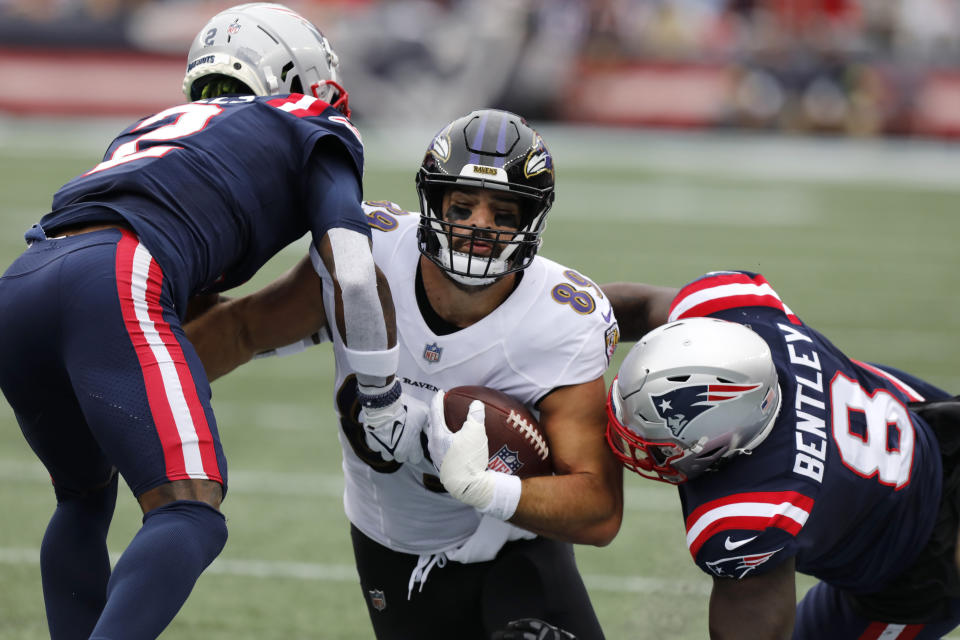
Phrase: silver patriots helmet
x=264 y=49
x=486 y=149
x=689 y=394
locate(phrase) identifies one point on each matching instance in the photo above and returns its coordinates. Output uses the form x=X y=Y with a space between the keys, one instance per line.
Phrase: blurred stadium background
x=810 y=140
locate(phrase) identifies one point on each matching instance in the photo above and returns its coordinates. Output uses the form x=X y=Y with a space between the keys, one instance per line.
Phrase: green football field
x=859 y=238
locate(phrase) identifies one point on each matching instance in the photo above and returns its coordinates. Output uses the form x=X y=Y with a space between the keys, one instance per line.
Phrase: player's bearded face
x=483 y=218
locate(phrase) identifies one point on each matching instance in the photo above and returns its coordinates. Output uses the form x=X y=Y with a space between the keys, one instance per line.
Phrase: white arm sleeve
x=364 y=323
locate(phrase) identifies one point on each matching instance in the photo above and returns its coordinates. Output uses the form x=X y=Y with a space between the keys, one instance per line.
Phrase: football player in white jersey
x=475 y=305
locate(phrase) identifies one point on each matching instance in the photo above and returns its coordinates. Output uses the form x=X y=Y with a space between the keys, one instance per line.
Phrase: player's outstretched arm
x=365 y=320
x=639 y=308
x=761 y=607
x=363 y=309
x=583 y=502
x=284 y=312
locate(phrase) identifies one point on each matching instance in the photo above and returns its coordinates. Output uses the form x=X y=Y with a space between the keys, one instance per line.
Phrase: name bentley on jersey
x=844 y=431
x=404 y=507
x=810 y=407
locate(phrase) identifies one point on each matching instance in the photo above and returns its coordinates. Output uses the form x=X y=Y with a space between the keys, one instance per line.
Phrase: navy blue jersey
x=848 y=482
x=216 y=187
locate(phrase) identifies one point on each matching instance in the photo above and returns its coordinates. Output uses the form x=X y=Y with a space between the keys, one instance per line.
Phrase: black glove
x=943 y=416
x=531 y=629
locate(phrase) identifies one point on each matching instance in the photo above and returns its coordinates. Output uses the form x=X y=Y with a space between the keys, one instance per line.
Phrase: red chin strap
x=342 y=103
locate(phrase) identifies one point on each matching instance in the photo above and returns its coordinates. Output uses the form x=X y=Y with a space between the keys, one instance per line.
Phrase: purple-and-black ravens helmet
x=487 y=149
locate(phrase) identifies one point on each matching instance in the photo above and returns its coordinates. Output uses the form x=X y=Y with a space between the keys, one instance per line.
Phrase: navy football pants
x=97 y=369
x=826 y=614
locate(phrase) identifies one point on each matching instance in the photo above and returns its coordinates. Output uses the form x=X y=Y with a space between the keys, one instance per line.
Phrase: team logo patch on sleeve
x=679 y=406
x=612 y=338
x=739 y=566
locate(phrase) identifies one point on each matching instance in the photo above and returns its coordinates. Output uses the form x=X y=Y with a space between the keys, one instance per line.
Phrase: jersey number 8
x=873 y=433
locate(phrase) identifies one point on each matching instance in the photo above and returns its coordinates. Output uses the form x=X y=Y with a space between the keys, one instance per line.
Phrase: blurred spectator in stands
x=430 y=60
x=853 y=66
x=927 y=31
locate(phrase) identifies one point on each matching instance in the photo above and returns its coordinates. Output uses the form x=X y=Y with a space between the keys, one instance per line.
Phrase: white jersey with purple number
x=555 y=329
x=848 y=481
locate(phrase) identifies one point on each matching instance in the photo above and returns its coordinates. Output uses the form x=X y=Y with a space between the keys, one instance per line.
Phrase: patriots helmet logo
x=679 y=406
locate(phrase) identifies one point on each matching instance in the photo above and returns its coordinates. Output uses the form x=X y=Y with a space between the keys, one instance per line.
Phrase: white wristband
x=373 y=363
x=319 y=337
x=506 y=496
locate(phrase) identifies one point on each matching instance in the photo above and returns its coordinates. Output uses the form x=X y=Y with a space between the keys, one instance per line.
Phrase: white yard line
x=921 y=163
x=314 y=572
x=325 y=485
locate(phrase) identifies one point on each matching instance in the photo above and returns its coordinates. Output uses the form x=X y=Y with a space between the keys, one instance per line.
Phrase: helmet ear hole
x=217 y=84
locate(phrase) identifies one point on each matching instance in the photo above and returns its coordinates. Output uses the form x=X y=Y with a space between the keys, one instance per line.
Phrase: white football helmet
x=689 y=394
x=269 y=48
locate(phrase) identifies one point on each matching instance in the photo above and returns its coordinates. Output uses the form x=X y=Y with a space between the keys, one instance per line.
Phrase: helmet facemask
x=665 y=460
x=452 y=245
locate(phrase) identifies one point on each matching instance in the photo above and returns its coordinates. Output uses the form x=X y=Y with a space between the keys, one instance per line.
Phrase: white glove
x=462 y=459
x=392 y=422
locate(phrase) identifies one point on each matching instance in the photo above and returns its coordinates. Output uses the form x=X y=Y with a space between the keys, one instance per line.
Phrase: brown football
x=514 y=440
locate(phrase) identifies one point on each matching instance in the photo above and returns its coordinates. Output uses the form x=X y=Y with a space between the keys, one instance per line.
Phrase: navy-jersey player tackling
x=95 y=363
x=791 y=457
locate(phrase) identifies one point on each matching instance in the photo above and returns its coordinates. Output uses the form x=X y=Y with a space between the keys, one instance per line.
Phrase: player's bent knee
x=206 y=491
x=197 y=523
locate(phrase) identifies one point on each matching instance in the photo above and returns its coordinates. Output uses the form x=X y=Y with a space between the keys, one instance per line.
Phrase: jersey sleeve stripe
x=299 y=105
x=906 y=389
x=726 y=291
x=787 y=510
x=891 y=631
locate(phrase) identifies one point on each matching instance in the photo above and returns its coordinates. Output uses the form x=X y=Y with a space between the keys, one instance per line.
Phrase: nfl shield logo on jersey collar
x=432 y=352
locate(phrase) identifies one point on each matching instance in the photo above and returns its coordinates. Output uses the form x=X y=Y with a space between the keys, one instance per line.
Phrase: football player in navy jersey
x=790 y=457
x=450 y=547
x=93 y=357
